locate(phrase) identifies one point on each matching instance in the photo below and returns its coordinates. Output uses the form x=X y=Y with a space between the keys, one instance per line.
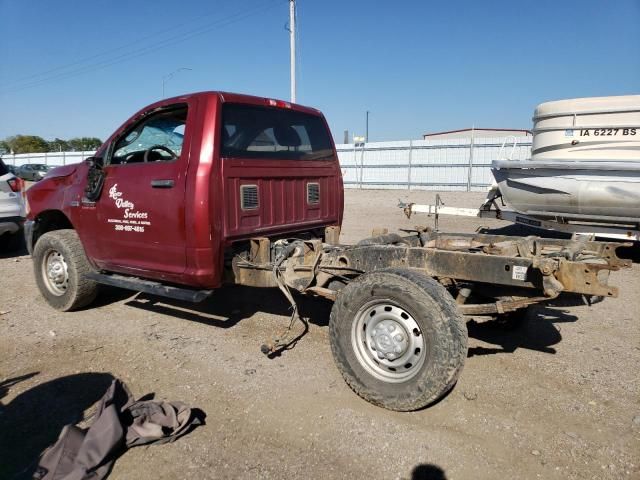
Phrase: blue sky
x=418 y=66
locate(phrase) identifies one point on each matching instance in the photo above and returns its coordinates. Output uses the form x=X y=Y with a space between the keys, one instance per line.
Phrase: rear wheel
x=60 y=265
x=398 y=338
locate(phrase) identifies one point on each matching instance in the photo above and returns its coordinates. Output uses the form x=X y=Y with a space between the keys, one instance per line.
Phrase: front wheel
x=60 y=265
x=398 y=338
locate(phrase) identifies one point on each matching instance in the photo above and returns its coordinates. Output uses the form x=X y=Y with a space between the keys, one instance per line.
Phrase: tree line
x=35 y=144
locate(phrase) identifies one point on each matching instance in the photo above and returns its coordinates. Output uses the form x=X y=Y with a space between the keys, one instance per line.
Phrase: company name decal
x=130 y=217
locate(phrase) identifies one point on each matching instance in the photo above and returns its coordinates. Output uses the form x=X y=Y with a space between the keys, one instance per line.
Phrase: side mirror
x=94 y=161
x=95 y=178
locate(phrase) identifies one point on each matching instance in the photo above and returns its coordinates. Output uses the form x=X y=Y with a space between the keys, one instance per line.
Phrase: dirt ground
x=556 y=398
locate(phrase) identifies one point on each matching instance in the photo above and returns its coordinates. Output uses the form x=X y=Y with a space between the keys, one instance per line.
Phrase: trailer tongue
x=492 y=208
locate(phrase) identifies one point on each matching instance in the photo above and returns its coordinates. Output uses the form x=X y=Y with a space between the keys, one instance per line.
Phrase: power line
x=236 y=17
x=143 y=50
x=104 y=52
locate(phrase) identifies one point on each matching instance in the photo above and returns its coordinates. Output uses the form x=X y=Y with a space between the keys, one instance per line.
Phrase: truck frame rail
x=486 y=274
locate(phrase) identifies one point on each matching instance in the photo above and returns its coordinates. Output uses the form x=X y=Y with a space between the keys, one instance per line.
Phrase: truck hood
x=63 y=171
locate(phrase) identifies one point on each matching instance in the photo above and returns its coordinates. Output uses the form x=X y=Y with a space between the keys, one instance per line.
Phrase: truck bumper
x=28 y=235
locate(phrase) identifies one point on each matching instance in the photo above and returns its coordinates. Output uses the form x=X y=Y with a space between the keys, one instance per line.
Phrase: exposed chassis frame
x=536 y=269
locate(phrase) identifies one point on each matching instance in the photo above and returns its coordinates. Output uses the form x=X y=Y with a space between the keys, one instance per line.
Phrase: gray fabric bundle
x=120 y=422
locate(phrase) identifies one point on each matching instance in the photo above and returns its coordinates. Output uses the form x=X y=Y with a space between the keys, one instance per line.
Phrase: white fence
x=456 y=164
x=49 y=158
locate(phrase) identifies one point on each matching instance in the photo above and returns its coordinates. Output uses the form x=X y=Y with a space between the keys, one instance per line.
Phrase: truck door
x=140 y=213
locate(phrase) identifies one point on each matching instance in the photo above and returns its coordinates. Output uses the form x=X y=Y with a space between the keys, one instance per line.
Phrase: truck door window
x=263 y=132
x=156 y=138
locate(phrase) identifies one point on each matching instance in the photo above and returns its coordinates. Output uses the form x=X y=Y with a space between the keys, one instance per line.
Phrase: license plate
x=608 y=132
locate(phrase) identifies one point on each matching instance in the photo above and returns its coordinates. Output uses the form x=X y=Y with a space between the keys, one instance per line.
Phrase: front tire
x=60 y=265
x=398 y=338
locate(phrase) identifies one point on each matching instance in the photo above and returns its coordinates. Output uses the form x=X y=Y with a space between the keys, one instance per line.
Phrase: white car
x=11 y=208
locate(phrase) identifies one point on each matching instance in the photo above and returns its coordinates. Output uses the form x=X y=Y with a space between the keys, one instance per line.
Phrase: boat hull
x=607 y=192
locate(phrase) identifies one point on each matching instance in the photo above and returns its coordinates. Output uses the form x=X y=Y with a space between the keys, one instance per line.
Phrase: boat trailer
x=491 y=209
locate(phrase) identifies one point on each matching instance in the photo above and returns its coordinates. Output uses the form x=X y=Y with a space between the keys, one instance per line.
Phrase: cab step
x=149 y=286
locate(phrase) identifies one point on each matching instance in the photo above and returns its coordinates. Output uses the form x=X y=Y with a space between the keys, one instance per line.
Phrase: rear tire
x=60 y=265
x=398 y=338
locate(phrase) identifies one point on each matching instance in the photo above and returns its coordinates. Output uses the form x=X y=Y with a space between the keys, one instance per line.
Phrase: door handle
x=162 y=183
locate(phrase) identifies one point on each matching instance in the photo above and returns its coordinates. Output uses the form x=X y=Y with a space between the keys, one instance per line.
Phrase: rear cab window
x=250 y=131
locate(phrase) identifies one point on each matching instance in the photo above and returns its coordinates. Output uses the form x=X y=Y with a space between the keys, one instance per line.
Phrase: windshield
x=3 y=168
x=262 y=132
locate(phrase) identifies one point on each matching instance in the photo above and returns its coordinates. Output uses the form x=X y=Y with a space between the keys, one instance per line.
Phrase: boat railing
x=513 y=141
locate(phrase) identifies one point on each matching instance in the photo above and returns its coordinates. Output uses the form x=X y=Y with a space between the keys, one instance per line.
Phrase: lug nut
x=398 y=338
x=390 y=356
x=391 y=327
x=397 y=349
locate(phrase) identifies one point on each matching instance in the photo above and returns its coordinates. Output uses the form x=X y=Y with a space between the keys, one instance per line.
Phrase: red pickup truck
x=211 y=188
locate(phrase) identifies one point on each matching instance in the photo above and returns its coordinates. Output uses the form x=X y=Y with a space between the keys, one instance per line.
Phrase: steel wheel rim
x=387 y=341
x=55 y=273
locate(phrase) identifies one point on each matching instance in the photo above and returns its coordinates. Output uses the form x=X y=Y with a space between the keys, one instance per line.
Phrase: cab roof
x=239 y=98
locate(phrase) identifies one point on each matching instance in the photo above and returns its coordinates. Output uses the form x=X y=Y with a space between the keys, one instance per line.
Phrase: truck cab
x=185 y=179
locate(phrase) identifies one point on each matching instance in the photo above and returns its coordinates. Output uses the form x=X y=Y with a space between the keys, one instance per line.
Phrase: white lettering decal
x=130 y=214
x=121 y=203
x=127 y=224
x=114 y=193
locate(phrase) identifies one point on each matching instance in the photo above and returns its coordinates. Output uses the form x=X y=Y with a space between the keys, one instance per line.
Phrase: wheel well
x=48 y=221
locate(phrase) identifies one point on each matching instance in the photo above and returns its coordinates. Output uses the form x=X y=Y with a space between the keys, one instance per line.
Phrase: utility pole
x=366 y=131
x=292 y=45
